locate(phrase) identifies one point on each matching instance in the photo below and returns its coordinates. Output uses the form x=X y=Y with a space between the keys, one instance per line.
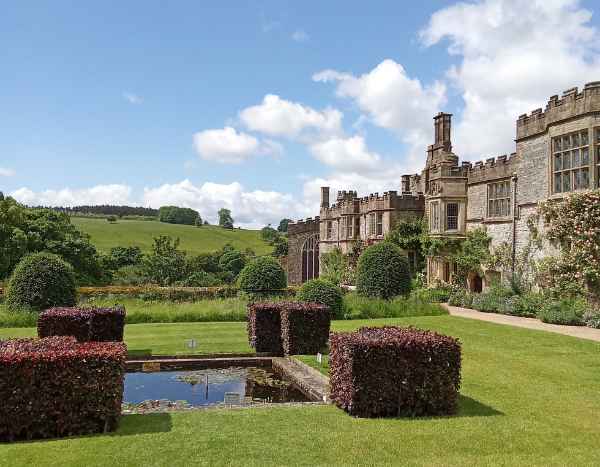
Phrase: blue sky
x=149 y=103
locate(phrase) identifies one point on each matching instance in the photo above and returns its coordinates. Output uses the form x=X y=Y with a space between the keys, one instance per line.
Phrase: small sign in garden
x=232 y=398
x=191 y=343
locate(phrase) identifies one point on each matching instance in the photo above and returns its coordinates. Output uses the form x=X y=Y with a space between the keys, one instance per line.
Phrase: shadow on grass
x=137 y=424
x=129 y=425
x=468 y=407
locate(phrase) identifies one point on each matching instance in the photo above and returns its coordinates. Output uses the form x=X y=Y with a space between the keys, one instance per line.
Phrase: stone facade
x=557 y=152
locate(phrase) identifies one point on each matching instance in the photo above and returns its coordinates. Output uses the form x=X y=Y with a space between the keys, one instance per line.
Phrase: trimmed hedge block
x=58 y=387
x=264 y=327
x=394 y=371
x=85 y=324
x=304 y=327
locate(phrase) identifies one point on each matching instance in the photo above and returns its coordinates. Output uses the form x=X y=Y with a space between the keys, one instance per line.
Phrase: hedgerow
x=264 y=328
x=304 y=327
x=58 y=387
x=393 y=371
x=85 y=324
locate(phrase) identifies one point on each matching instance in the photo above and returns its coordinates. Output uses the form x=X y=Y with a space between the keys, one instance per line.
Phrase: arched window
x=310 y=258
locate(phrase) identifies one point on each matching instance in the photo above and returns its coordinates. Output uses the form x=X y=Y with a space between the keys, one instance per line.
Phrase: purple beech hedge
x=288 y=328
x=393 y=371
x=304 y=327
x=56 y=387
x=85 y=324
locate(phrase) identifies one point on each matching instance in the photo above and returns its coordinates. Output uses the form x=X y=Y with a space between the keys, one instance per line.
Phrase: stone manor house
x=557 y=153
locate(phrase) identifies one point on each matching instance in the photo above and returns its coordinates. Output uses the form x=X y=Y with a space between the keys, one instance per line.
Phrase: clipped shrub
x=58 y=387
x=382 y=272
x=304 y=327
x=85 y=324
x=393 y=371
x=264 y=328
x=321 y=291
x=568 y=312
x=39 y=281
x=262 y=275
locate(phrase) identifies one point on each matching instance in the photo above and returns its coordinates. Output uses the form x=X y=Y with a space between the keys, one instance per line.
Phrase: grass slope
x=528 y=398
x=194 y=240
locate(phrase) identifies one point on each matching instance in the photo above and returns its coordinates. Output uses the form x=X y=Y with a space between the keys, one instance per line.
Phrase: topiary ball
x=382 y=272
x=263 y=274
x=40 y=281
x=324 y=292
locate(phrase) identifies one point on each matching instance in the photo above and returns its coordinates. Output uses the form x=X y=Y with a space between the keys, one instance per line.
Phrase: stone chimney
x=324 y=196
x=442 y=122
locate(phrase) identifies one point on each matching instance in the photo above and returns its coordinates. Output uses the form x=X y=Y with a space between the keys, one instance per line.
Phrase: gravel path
x=529 y=323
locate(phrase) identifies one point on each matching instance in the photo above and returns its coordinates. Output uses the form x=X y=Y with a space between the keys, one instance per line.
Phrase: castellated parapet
x=348 y=203
x=492 y=169
x=304 y=226
x=572 y=104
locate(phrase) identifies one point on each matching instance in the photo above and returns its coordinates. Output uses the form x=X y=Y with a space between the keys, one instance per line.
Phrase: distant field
x=194 y=240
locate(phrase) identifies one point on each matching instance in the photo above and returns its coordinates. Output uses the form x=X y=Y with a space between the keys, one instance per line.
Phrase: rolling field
x=194 y=240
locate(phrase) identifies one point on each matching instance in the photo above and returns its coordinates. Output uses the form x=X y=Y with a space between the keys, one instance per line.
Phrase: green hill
x=194 y=240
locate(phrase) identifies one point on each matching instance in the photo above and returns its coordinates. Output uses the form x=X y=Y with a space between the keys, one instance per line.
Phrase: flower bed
x=393 y=371
x=56 y=387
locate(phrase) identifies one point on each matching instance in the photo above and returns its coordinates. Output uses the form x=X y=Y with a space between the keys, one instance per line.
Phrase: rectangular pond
x=232 y=385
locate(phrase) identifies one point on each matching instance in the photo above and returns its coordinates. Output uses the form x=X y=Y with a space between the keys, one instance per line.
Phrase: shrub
x=567 y=312
x=57 y=387
x=382 y=272
x=528 y=304
x=130 y=275
x=432 y=295
x=461 y=297
x=264 y=328
x=591 y=318
x=264 y=274
x=304 y=327
x=201 y=279
x=321 y=291
x=41 y=280
x=393 y=371
x=232 y=261
x=85 y=324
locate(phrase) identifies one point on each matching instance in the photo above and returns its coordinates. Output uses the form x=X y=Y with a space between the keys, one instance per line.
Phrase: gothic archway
x=310 y=258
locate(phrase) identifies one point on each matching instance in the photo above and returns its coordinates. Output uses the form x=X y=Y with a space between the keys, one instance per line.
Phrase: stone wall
x=298 y=233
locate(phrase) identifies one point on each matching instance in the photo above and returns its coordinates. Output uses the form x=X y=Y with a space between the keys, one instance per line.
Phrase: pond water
x=211 y=386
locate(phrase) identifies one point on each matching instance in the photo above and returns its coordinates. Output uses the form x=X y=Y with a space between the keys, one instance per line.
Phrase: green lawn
x=194 y=240
x=528 y=398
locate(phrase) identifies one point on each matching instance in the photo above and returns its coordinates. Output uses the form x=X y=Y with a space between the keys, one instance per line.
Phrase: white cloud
x=282 y=118
x=346 y=154
x=4 y=172
x=393 y=100
x=100 y=194
x=300 y=35
x=228 y=146
x=132 y=98
x=513 y=55
x=253 y=209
